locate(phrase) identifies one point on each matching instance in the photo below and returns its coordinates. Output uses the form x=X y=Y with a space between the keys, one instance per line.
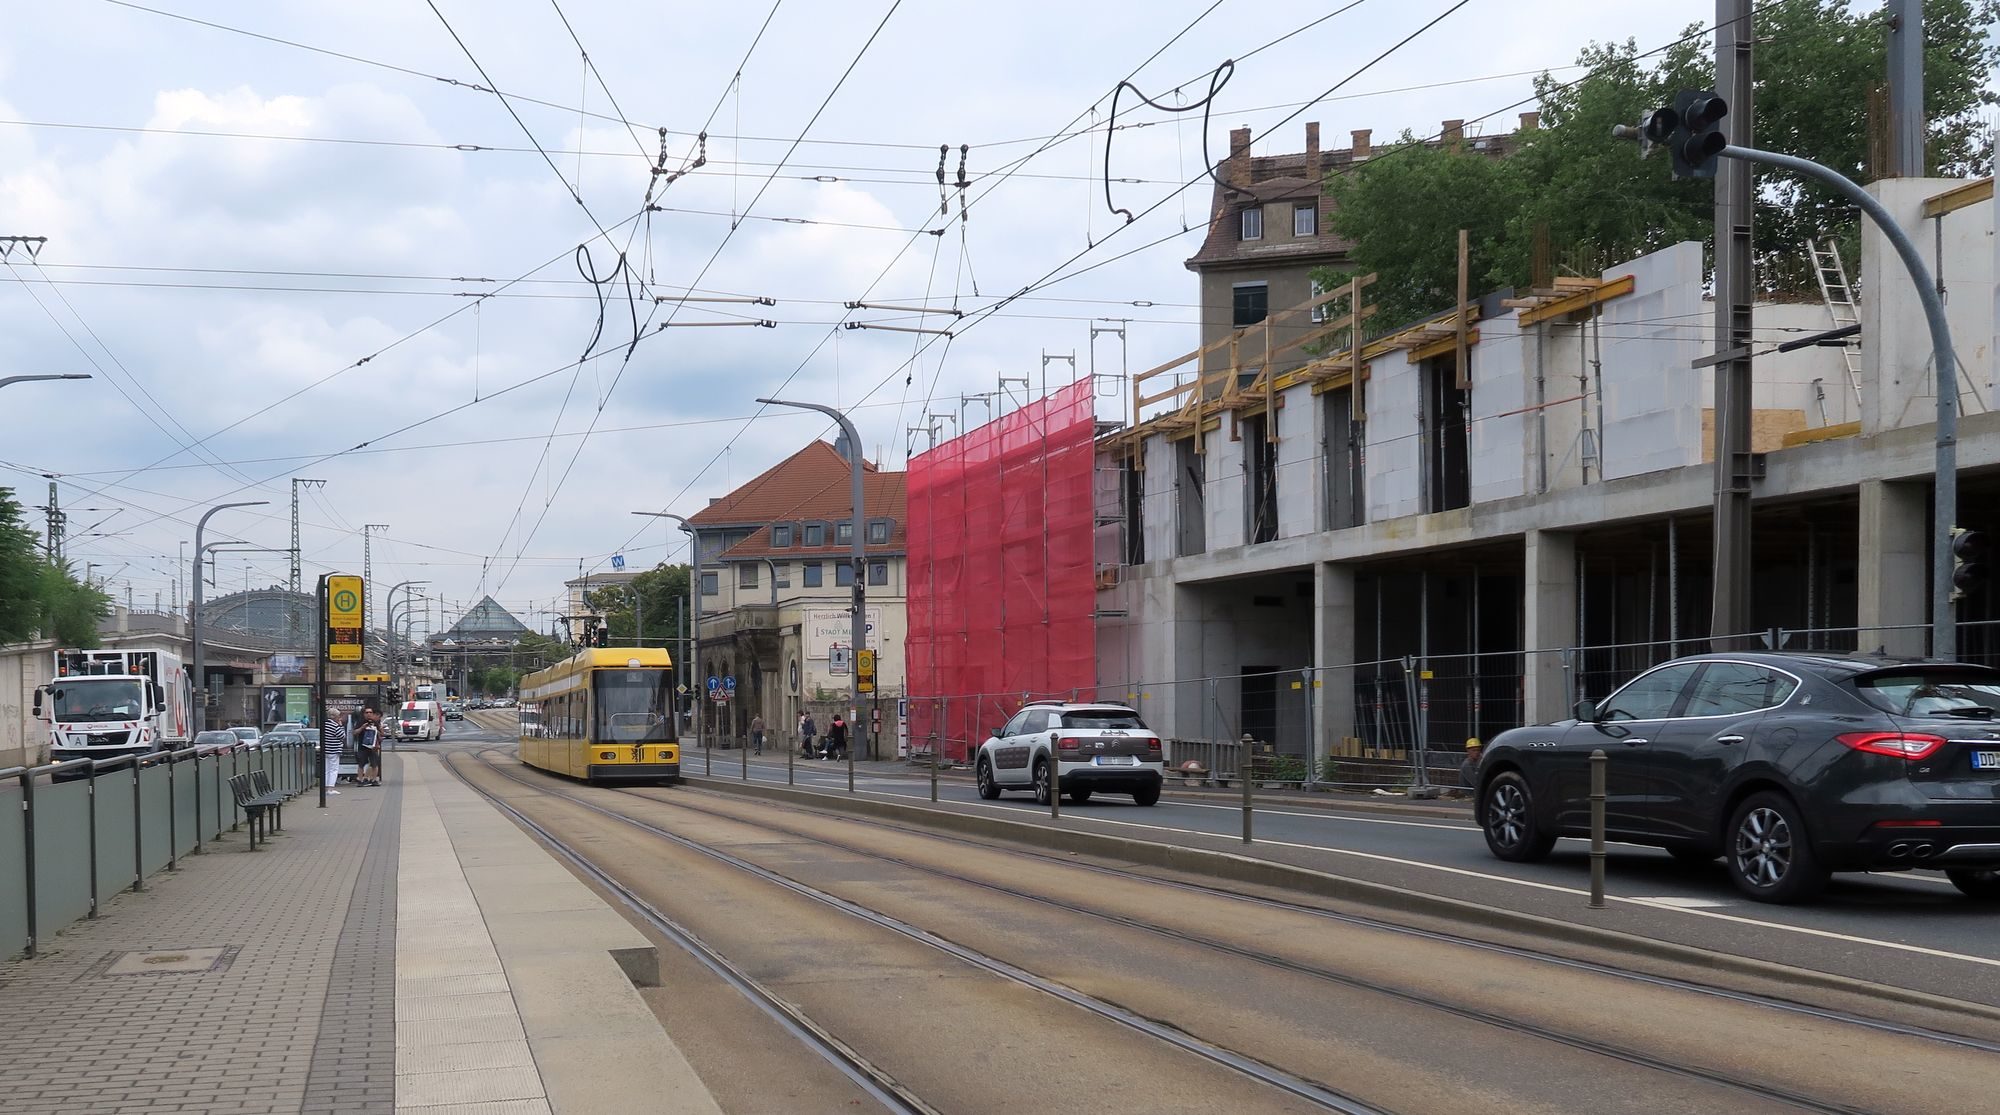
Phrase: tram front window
x=632 y=706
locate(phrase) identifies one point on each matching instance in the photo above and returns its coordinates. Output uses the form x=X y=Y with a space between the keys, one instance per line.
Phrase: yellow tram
x=605 y=714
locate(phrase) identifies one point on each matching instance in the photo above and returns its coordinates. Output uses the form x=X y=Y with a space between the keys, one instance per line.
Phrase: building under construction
x=1339 y=541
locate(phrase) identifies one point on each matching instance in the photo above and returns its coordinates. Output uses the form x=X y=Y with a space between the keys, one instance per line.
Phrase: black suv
x=1791 y=766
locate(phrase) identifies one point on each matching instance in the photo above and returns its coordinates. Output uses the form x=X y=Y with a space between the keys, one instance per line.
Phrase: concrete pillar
x=1189 y=694
x=1548 y=610
x=1893 y=581
x=1333 y=658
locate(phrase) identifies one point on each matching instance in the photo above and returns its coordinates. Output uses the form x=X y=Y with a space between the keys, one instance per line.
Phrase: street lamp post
x=390 y=601
x=194 y=620
x=694 y=608
x=32 y=379
x=860 y=579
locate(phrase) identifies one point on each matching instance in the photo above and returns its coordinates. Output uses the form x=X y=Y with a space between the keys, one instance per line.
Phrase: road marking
x=1682 y=903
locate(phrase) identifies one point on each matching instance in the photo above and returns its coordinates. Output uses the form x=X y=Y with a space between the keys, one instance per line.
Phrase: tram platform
x=406 y=949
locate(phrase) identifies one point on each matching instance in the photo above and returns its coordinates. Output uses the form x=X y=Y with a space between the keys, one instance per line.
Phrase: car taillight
x=1901 y=745
x=1069 y=743
x=1153 y=744
x=1908 y=824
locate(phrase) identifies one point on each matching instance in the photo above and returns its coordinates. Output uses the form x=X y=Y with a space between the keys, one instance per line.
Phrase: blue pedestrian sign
x=617 y=561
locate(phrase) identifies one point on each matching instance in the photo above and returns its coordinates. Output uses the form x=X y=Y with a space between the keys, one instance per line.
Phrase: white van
x=419 y=720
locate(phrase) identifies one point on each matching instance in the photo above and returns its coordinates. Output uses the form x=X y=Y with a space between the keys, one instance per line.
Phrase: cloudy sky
x=269 y=254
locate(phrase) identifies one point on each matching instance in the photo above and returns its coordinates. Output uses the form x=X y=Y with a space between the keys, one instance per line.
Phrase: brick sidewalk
x=244 y=1033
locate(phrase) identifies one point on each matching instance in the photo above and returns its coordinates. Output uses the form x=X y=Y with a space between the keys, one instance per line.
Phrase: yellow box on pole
x=344 y=637
x=864 y=669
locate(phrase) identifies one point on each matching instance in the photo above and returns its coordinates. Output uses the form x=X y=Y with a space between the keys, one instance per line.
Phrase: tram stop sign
x=343 y=618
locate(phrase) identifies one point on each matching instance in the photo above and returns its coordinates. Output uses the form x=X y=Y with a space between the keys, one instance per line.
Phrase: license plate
x=1127 y=760
x=1986 y=760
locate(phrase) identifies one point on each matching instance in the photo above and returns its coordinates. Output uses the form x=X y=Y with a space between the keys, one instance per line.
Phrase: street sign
x=343 y=618
x=617 y=561
x=729 y=684
x=681 y=689
x=837 y=659
x=718 y=691
x=864 y=669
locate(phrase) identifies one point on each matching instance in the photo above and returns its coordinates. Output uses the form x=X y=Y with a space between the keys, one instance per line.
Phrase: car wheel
x=988 y=789
x=1042 y=781
x=1148 y=796
x=1507 y=817
x=1981 y=883
x=1770 y=854
x=1078 y=797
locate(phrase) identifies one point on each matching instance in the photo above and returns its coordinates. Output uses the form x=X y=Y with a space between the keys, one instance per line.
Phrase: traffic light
x=1970 y=568
x=1690 y=129
x=603 y=637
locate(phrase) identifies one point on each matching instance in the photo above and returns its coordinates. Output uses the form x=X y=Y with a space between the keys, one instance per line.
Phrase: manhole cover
x=170 y=962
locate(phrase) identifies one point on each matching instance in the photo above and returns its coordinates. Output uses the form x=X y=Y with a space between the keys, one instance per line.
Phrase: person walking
x=807 y=730
x=369 y=742
x=836 y=738
x=332 y=741
x=757 y=733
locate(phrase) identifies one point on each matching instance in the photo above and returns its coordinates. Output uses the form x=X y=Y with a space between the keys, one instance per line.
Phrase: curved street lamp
x=194 y=619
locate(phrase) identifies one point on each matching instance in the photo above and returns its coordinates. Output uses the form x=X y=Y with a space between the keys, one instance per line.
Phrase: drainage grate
x=167 y=962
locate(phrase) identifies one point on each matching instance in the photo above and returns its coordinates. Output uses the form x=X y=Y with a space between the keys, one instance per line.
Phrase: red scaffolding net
x=1001 y=571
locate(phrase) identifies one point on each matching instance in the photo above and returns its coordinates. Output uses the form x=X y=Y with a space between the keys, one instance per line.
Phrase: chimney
x=1312 y=151
x=1361 y=148
x=1453 y=133
x=1530 y=121
x=1237 y=171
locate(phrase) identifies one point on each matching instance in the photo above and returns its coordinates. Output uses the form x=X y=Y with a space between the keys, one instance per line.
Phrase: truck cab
x=106 y=704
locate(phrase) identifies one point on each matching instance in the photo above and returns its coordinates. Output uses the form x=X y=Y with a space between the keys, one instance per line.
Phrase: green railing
x=73 y=834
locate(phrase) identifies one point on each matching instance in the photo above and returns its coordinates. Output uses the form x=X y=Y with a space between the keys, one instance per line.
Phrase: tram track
x=1318 y=1094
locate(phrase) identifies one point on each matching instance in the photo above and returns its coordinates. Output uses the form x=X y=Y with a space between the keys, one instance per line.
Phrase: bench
x=257 y=806
x=260 y=781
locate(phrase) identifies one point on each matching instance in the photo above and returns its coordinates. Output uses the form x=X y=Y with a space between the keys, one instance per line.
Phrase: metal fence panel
x=62 y=847
x=212 y=789
x=114 y=833
x=185 y=789
x=153 y=817
x=13 y=871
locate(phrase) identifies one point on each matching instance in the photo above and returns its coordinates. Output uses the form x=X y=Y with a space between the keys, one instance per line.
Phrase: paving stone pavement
x=239 y=1038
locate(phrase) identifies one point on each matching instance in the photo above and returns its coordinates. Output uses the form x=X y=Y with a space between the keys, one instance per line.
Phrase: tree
x=39 y=598
x=655 y=593
x=1593 y=202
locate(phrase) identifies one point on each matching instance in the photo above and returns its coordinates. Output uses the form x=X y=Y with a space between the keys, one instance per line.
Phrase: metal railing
x=74 y=833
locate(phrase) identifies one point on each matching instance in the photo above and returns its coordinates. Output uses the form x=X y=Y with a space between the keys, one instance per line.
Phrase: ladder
x=1839 y=296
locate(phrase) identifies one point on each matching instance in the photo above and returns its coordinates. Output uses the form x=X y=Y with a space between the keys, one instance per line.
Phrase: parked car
x=216 y=737
x=1789 y=766
x=247 y=735
x=283 y=736
x=454 y=711
x=1095 y=747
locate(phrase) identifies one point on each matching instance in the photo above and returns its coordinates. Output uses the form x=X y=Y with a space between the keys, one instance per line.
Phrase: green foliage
x=38 y=598
x=1594 y=202
x=494 y=681
x=655 y=593
x=536 y=651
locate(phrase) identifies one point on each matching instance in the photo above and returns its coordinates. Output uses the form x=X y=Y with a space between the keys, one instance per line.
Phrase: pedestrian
x=836 y=738
x=757 y=733
x=369 y=742
x=807 y=730
x=332 y=741
x=1468 y=771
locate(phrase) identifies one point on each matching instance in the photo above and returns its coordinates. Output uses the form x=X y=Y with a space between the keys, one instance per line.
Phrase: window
x=1649 y=697
x=709 y=584
x=843 y=534
x=632 y=706
x=1728 y=688
x=1252 y=303
x=878 y=572
x=1103 y=718
x=1932 y=691
x=812 y=571
x=878 y=532
x=781 y=574
x=815 y=534
x=1319 y=312
x=1253 y=223
x=746 y=574
x=1305 y=220
x=843 y=574
x=781 y=536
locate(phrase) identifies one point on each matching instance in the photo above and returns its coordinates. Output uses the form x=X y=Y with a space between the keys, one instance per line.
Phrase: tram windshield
x=633 y=706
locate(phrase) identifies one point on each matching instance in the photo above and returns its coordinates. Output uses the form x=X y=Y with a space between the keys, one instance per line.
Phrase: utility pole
x=1734 y=293
x=296 y=481
x=367 y=581
x=1906 y=88
x=56 y=522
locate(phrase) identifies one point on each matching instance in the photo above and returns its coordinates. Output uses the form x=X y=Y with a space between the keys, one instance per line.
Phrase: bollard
x=746 y=764
x=1055 y=782
x=791 y=760
x=1597 y=762
x=934 y=766
x=848 y=746
x=708 y=756
x=1243 y=776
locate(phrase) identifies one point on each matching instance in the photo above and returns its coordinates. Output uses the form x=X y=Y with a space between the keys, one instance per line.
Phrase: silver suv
x=1094 y=747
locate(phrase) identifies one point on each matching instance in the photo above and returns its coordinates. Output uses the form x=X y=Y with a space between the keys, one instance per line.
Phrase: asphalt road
x=1911 y=930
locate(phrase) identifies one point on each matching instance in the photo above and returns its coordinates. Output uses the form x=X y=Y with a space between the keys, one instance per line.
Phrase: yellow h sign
x=864 y=670
x=343 y=618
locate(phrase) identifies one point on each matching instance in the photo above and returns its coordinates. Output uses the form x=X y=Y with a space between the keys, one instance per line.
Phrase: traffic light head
x=1971 y=567
x=1657 y=128
x=603 y=637
x=1698 y=140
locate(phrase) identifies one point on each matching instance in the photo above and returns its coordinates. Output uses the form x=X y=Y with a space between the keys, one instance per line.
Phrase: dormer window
x=878 y=532
x=1304 y=220
x=781 y=536
x=1253 y=223
x=815 y=534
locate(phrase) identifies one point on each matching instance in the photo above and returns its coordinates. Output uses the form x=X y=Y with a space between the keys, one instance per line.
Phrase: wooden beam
x=1449 y=343
x=1959 y=197
x=1581 y=300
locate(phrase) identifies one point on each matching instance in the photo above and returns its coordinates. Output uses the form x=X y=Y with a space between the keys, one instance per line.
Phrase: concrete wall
x=1392 y=396
x=1650 y=340
x=1898 y=383
x=1158 y=510
x=1301 y=465
x=23 y=739
x=1501 y=393
x=1224 y=486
